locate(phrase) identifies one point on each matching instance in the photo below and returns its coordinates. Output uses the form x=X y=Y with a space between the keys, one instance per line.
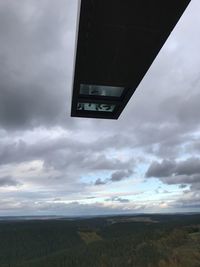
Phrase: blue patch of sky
x=93 y=176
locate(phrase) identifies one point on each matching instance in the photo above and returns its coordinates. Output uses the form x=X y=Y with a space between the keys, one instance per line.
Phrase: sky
x=148 y=161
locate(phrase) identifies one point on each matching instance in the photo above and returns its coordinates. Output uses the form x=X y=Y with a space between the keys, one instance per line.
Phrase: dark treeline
x=155 y=241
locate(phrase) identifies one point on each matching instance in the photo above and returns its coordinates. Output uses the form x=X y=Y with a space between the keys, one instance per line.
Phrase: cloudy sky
x=146 y=161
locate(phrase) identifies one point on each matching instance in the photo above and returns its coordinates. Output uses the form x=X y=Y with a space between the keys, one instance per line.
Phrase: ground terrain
x=115 y=241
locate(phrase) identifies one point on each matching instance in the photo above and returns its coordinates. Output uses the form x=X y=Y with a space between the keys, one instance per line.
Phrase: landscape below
x=115 y=241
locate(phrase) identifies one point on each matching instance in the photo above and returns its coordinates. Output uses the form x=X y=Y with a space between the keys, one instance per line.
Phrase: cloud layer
x=51 y=163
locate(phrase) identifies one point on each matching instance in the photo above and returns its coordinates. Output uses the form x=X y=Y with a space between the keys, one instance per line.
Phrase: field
x=115 y=241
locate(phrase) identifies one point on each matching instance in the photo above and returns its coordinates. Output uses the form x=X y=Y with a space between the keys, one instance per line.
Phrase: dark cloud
x=34 y=74
x=183 y=173
x=115 y=177
x=8 y=181
x=120 y=175
x=190 y=166
x=156 y=169
x=100 y=182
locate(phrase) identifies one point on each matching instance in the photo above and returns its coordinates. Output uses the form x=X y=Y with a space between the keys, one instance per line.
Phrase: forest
x=114 y=241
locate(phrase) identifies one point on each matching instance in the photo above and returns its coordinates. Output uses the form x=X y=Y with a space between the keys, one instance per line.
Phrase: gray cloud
x=118 y=199
x=35 y=77
x=191 y=166
x=8 y=181
x=62 y=154
x=120 y=175
x=188 y=167
x=100 y=182
x=115 y=177
x=180 y=179
x=191 y=200
x=162 y=169
x=183 y=173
